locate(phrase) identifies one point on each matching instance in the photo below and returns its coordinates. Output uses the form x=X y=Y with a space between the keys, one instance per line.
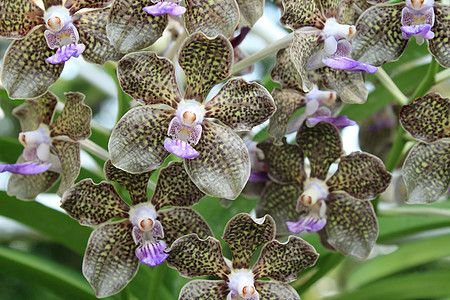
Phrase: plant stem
x=418 y=211
x=443 y=75
x=95 y=149
x=386 y=80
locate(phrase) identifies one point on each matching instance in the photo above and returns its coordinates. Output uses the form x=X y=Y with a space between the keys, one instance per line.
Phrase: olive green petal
x=212 y=17
x=180 y=221
x=329 y=8
x=285 y=161
x=300 y=13
x=352 y=226
x=269 y=290
x=136 y=184
x=223 y=167
x=74 y=120
x=35 y=112
x=50 y=3
x=91 y=26
x=282 y=261
x=322 y=145
x=136 y=144
x=244 y=235
x=427 y=118
x=250 y=11
x=175 y=188
x=148 y=79
x=76 y=5
x=110 y=261
x=303 y=46
x=130 y=28
x=205 y=62
x=204 y=290
x=68 y=153
x=426 y=171
x=287 y=102
x=93 y=204
x=361 y=175
x=439 y=46
x=280 y=201
x=379 y=38
x=25 y=73
x=285 y=72
x=193 y=257
x=241 y=105
x=18 y=17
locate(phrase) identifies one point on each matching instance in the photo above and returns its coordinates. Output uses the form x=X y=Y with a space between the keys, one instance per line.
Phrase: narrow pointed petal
x=68 y=153
x=25 y=73
x=426 y=171
x=284 y=71
x=297 y=14
x=155 y=86
x=204 y=289
x=17 y=18
x=180 y=221
x=223 y=167
x=439 y=45
x=76 y=5
x=130 y=28
x=175 y=188
x=269 y=290
x=322 y=145
x=110 y=262
x=26 y=168
x=206 y=62
x=340 y=122
x=35 y=112
x=244 y=235
x=250 y=11
x=193 y=256
x=137 y=142
x=347 y=64
x=352 y=226
x=211 y=17
x=241 y=105
x=93 y=204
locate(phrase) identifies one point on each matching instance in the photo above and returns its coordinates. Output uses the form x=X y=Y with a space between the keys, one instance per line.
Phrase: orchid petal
x=35 y=112
x=250 y=11
x=27 y=168
x=165 y=7
x=306 y=223
x=152 y=254
x=65 y=53
x=297 y=14
x=180 y=148
x=439 y=45
x=348 y=64
x=270 y=290
x=340 y=122
x=76 y=5
x=19 y=17
x=204 y=289
x=284 y=71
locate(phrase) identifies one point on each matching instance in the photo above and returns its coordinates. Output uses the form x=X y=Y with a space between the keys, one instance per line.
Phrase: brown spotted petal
x=68 y=153
x=244 y=235
x=211 y=17
x=427 y=118
x=93 y=204
x=35 y=112
x=50 y=3
x=241 y=105
x=18 y=17
x=284 y=71
x=148 y=79
x=280 y=201
x=193 y=256
x=282 y=261
x=137 y=142
x=250 y=11
x=130 y=28
x=329 y=8
x=322 y=145
x=439 y=45
x=426 y=171
x=204 y=290
x=223 y=167
x=270 y=290
x=25 y=73
x=136 y=184
x=175 y=188
x=76 y=5
x=110 y=261
x=74 y=120
x=91 y=26
x=352 y=226
x=205 y=62
x=379 y=38
x=300 y=13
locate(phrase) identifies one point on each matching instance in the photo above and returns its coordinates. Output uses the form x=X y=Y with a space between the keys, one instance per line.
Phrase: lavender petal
x=152 y=254
x=64 y=53
x=180 y=148
x=308 y=223
x=345 y=63
x=423 y=29
x=27 y=168
x=340 y=122
x=164 y=7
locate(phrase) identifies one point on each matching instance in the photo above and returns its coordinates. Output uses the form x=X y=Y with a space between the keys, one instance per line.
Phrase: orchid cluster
x=195 y=129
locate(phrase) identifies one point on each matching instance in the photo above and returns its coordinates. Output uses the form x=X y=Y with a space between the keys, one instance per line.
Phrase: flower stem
x=386 y=80
x=417 y=211
x=443 y=75
x=95 y=149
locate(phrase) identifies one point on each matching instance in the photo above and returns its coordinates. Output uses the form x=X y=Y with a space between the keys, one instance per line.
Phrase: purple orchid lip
x=164 y=7
x=308 y=223
x=345 y=63
x=180 y=148
x=27 y=168
x=152 y=254
x=340 y=122
x=64 y=53
x=423 y=29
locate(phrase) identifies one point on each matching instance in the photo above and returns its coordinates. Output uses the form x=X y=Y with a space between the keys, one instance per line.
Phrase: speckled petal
x=244 y=235
x=109 y=262
x=329 y=8
x=36 y=111
x=269 y=290
x=284 y=71
x=136 y=184
x=427 y=118
x=175 y=188
x=136 y=143
x=180 y=221
x=130 y=28
x=361 y=175
x=322 y=145
x=92 y=204
x=426 y=171
x=205 y=62
x=250 y=11
x=439 y=45
x=223 y=166
x=91 y=26
x=50 y=3
x=148 y=79
x=204 y=290
x=352 y=226
x=212 y=17
x=282 y=261
x=76 y=5
x=300 y=13
x=18 y=17
x=193 y=256
x=25 y=73
x=68 y=153
x=241 y=105
x=280 y=201
x=379 y=39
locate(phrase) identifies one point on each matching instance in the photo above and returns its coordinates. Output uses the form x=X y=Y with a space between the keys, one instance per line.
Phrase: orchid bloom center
x=338 y=31
x=36 y=143
x=242 y=286
x=419 y=4
x=315 y=190
x=143 y=217
x=56 y=18
x=325 y=98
